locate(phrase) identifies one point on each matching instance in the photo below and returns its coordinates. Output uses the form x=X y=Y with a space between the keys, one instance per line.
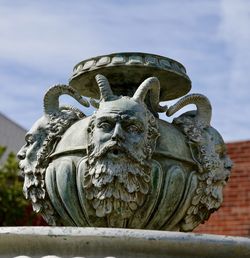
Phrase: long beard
x=33 y=186
x=116 y=188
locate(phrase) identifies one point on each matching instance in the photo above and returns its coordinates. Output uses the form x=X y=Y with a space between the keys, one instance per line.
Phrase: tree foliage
x=13 y=206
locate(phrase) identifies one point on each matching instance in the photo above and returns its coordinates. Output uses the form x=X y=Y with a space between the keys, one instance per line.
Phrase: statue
x=39 y=141
x=123 y=166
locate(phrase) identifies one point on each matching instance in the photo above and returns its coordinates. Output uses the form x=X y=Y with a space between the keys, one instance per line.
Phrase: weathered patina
x=123 y=166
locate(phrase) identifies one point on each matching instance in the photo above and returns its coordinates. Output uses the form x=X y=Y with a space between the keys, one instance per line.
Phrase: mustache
x=111 y=146
x=21 y=165
x=26 y=169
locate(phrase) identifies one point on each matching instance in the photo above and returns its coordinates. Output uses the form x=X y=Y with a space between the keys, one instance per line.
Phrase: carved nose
x=21 y=154
x=118 y=133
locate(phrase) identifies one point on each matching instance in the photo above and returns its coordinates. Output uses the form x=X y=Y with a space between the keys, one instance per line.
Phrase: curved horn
x=153 y=84
x=104 y=86
x=51 y=98
x=204 y=108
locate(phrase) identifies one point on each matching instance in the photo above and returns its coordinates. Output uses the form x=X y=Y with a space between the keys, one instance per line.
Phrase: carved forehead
x=37 y=127
x=122 y=106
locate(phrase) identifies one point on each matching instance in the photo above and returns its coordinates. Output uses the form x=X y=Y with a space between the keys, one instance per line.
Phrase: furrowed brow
x=27 y=136
x=107 y=118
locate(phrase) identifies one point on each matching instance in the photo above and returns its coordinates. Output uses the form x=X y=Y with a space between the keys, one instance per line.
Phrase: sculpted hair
x=152 y=134
x=57 y=125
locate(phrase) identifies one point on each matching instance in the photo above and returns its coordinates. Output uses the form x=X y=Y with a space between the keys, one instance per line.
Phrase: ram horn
x=51 y=98
x=106 y=93
x=204 y=108
x=152 y=84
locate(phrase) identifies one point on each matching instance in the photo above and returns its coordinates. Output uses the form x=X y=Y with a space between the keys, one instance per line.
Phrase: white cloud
x=234 y=30
x=41 y=41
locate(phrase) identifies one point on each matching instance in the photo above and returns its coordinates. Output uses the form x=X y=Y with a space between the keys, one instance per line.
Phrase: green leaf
x=13 y=206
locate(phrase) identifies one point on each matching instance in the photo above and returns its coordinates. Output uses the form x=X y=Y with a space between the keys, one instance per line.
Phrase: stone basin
x=72 y=242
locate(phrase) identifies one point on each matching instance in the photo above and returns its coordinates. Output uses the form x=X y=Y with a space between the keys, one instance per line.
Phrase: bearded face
x=118 y=177
x=28 y=153
x=28 y=156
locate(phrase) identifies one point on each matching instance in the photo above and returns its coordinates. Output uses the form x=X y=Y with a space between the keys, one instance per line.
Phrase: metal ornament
x=123 y=166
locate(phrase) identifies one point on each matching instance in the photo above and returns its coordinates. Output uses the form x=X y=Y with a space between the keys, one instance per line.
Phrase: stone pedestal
x=58 y=242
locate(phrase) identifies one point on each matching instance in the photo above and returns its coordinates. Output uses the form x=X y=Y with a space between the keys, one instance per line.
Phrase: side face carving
x=208 y=150
x=40 y=140
x=34 y=140
x=116 y=173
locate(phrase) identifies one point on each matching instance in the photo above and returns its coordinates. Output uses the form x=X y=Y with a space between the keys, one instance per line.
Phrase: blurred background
x=41 y=41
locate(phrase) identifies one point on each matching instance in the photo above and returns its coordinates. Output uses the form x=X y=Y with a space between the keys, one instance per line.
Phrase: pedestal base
x=27 y=242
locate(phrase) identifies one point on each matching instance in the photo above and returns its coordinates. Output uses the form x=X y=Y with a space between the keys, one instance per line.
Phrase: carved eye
x=105 y=126
x=29 y=140
x=133 y=129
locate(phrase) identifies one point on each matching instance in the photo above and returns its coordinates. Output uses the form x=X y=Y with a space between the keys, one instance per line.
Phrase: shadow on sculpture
x=123 y=166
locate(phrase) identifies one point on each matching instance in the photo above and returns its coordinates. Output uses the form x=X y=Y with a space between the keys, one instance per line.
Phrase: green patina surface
x=123 y=166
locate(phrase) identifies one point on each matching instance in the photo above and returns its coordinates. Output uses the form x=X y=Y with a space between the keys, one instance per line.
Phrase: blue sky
x=41 y=41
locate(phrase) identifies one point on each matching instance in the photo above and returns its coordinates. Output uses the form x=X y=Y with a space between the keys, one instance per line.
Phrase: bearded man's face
x=28 y=155
x=123 y=125
x=34 y=140
x=118 y=178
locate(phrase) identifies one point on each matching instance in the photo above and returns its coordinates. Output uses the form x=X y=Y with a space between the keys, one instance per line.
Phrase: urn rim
x=126 y=70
